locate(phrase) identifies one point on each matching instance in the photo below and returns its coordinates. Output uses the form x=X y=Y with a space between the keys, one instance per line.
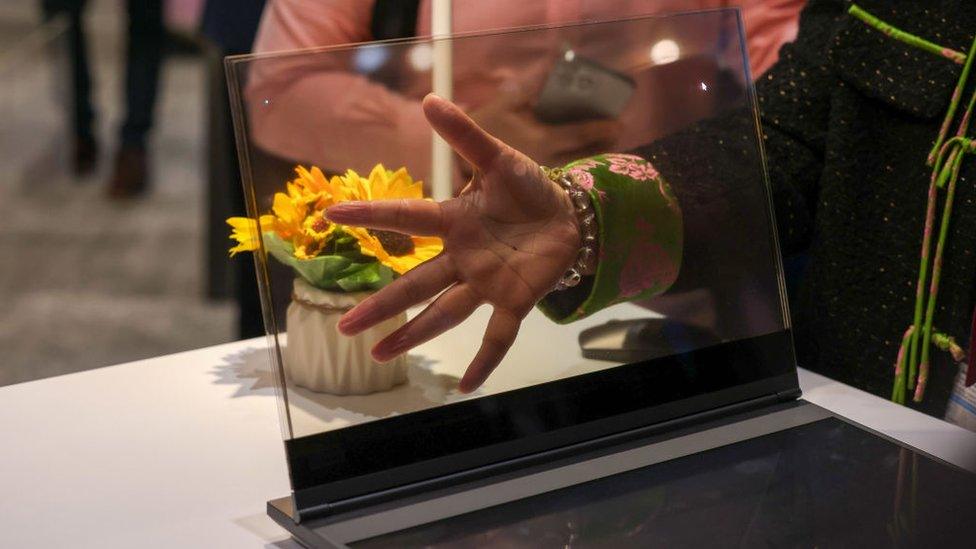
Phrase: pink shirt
x=286 y=96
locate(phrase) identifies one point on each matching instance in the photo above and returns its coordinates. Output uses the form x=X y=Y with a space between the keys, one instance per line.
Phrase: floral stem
x=898 y=391
x=954 y=105
x=908 y=38
x=965 y=146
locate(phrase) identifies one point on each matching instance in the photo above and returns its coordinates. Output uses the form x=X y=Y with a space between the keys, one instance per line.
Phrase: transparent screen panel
x=673 y=90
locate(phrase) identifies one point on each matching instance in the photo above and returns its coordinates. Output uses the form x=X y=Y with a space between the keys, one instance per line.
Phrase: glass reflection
x=787 y=489
x=619 y=106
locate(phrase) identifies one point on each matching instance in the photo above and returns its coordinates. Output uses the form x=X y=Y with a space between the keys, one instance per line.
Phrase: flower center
x=320 y=225
x=395 y=244
x=313 y=247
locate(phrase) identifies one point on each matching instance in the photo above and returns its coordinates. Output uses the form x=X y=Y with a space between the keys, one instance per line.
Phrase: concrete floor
x=85 y=282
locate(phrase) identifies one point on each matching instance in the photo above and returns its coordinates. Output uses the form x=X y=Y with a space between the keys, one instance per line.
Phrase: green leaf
x=347 y=270
x=365 y=277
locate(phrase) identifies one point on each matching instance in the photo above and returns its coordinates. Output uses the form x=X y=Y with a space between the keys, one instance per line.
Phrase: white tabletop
x=184 y=450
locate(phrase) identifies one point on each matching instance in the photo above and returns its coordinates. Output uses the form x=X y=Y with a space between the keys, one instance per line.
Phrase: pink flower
x=582 y=177
x=587 y=164
x=632 y=166
x=618 y=157
x=648 y=265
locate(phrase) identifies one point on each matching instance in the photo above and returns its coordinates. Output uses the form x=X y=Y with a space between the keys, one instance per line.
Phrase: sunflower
x=302 y=232
x=289 y=215
x=313 y=236
x=397 y=251
x=247 y=234
x=382 y=184
x=314 y=189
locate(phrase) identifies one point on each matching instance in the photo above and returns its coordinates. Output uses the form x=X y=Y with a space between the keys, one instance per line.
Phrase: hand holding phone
x=509 y=116
x=580 y=89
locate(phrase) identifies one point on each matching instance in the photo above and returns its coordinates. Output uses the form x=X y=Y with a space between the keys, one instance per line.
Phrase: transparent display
x=673 y=91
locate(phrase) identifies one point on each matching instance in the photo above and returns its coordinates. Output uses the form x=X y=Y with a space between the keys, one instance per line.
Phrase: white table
x=184 y=450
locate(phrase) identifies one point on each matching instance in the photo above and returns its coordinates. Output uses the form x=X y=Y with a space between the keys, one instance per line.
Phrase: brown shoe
x=85 y=156
x=129 y=179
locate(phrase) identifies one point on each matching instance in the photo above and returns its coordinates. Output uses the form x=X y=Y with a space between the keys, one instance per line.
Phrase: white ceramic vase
x=323 y=360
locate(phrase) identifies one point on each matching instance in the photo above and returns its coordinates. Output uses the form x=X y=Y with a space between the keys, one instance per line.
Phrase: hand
x=509 y=117
x=508 y=239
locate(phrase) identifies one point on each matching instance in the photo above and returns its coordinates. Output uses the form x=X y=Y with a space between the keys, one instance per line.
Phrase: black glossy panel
x=826 y=484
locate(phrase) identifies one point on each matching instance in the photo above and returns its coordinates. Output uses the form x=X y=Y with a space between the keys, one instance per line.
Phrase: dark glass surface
x=826 y=484
x=538 y=418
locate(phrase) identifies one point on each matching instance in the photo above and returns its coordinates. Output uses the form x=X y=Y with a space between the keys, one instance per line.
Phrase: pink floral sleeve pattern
x=641 y=233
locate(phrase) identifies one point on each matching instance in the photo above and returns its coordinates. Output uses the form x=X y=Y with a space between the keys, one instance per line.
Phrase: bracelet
x=587 y=222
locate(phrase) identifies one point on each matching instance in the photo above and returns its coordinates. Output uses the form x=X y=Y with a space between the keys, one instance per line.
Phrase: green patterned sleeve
x=641 y=235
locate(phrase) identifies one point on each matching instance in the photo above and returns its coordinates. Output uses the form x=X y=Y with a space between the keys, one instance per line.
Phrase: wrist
x=578 y=208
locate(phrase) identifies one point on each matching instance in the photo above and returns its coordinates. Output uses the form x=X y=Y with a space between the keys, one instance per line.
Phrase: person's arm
x=640 y=236
x=287 y=96
x=711 y=164
x=712 y=168
x=510 y=237
x=768 y=24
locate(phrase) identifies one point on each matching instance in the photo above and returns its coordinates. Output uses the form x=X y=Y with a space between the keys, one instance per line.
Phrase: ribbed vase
x=323 y=360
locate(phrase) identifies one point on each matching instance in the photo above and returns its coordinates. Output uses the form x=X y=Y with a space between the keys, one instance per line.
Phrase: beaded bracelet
x=587 y=222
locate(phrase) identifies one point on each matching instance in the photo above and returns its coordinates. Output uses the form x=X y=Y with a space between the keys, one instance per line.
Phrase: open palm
x=508 y=239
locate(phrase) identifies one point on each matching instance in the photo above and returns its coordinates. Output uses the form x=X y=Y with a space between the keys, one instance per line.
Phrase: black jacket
x=849 y=116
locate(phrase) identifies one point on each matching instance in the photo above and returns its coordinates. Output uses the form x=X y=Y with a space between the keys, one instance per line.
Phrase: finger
x=446 y=312
x=418 y=284
x=499 y=337
x=414 y=217
x=461 y=133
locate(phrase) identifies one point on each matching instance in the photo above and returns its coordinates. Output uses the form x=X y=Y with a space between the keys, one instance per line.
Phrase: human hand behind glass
x=508 y=239
x=510 y=118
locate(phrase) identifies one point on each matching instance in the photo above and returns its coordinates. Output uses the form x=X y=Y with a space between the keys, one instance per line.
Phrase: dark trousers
x=144 y=54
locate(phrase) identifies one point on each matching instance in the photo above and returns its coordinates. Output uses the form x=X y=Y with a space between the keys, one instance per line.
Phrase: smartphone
x=580 y=89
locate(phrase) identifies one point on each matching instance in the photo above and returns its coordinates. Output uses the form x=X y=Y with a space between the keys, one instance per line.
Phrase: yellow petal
x=267 y=223
x=245 y=232
x=318 y=179
x=378 y=172
x=240 y=223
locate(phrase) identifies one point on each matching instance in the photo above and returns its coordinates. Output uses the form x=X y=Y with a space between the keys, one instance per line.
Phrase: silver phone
x=580 y=89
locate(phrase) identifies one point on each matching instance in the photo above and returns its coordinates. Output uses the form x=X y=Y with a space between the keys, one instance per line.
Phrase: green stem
x=966 y=144
x=941 y=170
x=898 y=391
x=935 y=156
x=954 y=105
x=902 y=36
x=923 y=271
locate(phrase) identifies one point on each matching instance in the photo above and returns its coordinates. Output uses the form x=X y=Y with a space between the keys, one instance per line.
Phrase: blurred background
x=90 y=278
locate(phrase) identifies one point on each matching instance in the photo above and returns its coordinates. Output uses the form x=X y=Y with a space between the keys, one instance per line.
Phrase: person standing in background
x=144 y=52
x=394 y=121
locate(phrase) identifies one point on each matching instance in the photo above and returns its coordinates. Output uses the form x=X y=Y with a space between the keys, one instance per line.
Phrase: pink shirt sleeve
x=286 y=98
x=769 y=24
